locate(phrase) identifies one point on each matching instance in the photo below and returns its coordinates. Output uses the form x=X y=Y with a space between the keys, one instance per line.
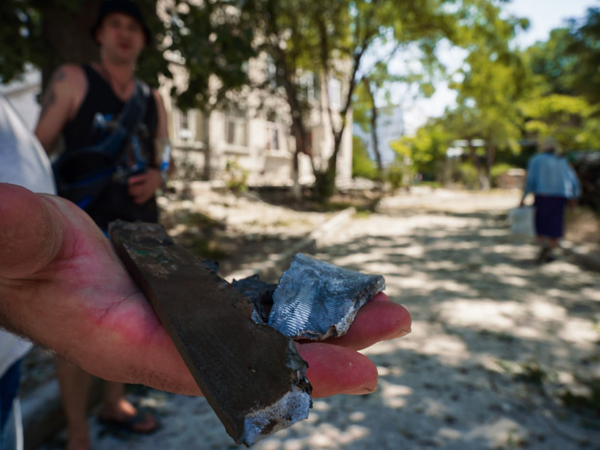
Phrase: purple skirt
x=550 y=216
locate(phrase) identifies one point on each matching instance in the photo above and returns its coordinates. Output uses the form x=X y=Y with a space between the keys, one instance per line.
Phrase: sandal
x=129 y=425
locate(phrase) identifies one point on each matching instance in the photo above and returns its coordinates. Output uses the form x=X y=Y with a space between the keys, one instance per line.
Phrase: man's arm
x=60 y=103
x=530 y=180
x=143 y=187
x=162 y=132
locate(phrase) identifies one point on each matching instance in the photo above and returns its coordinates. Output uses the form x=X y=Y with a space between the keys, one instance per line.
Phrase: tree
x=583 y=47
x=212 y=40
x=550 y=63
x=366 y=108
x=494 y=78
x=362 y=166
x=366 y=113
x=332 y=39
x=47 y=33
x=562 y=101
x=426 y=149
x=570 y=120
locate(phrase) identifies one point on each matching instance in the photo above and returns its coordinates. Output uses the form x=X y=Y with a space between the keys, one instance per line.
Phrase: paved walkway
x=496 y=342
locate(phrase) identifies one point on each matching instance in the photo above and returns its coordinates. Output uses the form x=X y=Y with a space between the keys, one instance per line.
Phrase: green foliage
x=396 y=174
x=339 y=38
x=215 y=46
x=570 y=120
x=325 y=184
x=491 y=88
x=550 y=63
x=204 y=37
x=207 y=248
x=426 y=150
x=467 y=175
x=201 y=220
x=583 y=48
x=489 y=85
x=507 y=96
x=498 y=170
x=362 y=165
x=236 y=177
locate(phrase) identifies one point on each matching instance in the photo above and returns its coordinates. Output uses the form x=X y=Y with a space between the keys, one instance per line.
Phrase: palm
x=82 y=303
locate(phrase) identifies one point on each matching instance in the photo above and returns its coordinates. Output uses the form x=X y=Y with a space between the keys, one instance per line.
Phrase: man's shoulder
x=73 y=74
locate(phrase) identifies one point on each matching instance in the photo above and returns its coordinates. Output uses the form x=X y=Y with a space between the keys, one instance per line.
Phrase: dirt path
x=497 y=342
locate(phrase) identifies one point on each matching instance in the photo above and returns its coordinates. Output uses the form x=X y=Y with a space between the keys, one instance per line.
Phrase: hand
x=62 y=285
x=142 y=187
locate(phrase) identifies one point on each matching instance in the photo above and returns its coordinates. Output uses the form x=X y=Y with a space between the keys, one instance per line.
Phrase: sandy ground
x=496 y=342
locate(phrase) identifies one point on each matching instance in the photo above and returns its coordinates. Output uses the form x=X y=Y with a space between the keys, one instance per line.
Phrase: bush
x=498 y=170
x=467 y=175
x=362 y=165
x=236 y=177
x=325 y=184
x=396 y=175
x=587 y=166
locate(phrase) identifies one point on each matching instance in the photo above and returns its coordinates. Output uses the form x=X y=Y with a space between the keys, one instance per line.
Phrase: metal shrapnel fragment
x=259 y=293
x=252 y=376
x=317 y=300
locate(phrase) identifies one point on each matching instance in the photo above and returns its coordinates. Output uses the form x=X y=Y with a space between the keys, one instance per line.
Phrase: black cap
x=122 y=6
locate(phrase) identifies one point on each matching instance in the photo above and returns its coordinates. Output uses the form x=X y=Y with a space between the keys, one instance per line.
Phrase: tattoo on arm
x=49 y=97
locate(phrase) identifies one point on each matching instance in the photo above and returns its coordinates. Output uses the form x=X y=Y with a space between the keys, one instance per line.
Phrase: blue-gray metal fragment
x=317 y=300
x=259 y=293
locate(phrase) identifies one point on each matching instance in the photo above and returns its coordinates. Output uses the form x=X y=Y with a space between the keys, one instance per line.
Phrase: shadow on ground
x=497 y=345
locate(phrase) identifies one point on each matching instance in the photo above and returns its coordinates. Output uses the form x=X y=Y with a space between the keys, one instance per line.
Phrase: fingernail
x=367 y=390
x=403 y=333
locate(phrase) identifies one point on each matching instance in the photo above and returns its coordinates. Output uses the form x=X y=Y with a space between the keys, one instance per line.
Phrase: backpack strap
x=111 y=153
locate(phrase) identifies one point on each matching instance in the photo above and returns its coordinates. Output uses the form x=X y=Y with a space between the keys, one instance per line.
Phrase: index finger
x=378 y=320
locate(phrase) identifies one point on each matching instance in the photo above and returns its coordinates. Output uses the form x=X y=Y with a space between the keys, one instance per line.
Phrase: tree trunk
x=374 y=115
x=481 y=179
x=207 y=175
x=296 y=188
x=490 y=158
x=66 y=34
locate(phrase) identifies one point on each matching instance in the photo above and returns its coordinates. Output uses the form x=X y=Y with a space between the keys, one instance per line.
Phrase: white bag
x=522 y=221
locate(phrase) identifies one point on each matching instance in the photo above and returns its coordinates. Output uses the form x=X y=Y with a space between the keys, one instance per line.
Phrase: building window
x=271 y=70
x=307 y=85
x=335 y=93
x=273 y=137
x=236 y=130
x=184 y=126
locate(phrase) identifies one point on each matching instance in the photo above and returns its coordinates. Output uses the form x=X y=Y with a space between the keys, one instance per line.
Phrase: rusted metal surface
x=252 y=375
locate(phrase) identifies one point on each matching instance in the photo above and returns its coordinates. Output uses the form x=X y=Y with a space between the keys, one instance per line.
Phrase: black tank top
x=114 y=203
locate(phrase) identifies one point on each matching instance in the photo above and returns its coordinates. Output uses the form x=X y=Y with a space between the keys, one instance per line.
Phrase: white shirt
x=23 y=161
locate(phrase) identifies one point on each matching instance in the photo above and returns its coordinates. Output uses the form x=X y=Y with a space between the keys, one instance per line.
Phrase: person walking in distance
x=554 y=184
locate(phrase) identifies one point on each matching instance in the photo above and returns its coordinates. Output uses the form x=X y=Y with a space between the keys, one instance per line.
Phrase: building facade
x=255 y=134
x=255 y=140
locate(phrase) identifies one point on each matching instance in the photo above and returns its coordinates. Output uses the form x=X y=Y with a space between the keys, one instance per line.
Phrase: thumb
x=31 y=232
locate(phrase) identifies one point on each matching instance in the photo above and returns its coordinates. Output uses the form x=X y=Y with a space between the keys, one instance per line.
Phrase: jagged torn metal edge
x=317 y=300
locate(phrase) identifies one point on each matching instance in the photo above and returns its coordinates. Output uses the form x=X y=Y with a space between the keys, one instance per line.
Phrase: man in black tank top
x=82 y=103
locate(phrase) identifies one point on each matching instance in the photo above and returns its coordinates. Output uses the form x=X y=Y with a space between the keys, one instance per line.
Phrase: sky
x=544 y=15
